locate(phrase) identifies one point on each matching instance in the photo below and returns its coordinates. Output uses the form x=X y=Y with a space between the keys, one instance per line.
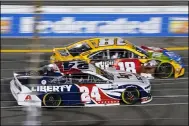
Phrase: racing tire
x=130 y=96
x=52 y=100
x=164 y=70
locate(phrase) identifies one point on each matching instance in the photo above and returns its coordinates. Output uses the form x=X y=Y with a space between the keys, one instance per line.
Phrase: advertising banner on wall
x=92 y=25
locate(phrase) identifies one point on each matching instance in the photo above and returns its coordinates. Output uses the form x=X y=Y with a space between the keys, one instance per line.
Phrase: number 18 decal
x=86 y=95
x=127 y=66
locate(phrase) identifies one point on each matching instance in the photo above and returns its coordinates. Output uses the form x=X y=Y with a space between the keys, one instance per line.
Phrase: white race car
x=78 y=83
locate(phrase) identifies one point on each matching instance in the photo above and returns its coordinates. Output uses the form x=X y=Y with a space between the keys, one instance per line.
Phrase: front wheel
x=52 y=100
x=130 y=96
x=164 y=70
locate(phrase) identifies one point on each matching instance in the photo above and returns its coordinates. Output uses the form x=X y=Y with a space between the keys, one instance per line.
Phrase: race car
x=123 y=55
x=88 y=86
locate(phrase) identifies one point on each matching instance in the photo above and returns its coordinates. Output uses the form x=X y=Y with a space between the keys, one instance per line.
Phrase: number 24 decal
x=127 y=66
x=86 y=95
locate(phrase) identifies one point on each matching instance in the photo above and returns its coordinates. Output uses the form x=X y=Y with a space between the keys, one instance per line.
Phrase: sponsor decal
x=144 y=99
x=71 y=25
x=178 y=25
x=43 y=82
x=6 y=24
x=61 y=25
x=28 y=98
x=104 y=64
x=156 y=54
x=61 y=88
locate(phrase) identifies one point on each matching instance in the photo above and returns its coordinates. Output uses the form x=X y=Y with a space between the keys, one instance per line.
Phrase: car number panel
x=128 y=65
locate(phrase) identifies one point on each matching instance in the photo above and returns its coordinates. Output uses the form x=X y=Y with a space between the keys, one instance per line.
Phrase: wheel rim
x=50 y=100
x=130 y=97
x=165 y=70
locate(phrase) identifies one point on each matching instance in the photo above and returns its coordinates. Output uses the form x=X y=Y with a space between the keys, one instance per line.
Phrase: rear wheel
x=130 y=96
x=52 y=100
x=164 y=70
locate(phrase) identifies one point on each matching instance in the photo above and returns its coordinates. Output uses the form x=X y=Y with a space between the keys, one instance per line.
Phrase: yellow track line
x=50 y=50
x=25 y=51
x=177 y=48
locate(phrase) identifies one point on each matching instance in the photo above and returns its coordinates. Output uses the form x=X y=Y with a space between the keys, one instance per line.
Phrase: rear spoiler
x=16 y=79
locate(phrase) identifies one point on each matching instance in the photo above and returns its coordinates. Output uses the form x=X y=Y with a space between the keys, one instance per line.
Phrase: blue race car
x=87 y=87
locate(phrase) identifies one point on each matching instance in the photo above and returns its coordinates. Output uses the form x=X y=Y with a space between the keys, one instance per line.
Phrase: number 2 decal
x=86 y=95
x=127 y=66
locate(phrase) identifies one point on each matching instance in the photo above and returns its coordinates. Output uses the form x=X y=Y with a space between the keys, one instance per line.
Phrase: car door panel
x=129 y=65
x=92 y=93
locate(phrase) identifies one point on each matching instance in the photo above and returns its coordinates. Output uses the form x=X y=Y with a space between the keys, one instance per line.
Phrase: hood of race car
x=158 y=55
x=162 y=54
x=130 y=78
x=166 y=55
x=172 y=55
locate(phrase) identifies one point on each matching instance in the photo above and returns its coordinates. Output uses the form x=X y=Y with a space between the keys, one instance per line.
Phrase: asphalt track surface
x=168 y=107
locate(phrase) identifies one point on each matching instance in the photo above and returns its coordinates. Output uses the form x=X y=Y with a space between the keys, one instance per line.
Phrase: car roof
x=94 y=42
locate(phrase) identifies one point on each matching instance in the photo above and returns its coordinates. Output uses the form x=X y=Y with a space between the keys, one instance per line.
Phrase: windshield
x=139 y=49
x=63 y=52
x=50 y=67
x=79 y=48
x=105 y=74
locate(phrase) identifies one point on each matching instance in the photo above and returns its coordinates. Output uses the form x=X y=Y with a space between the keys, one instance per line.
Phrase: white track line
x=4 y=79
x=107 y=120
x=141 y=105
x=172 y=89
x=177 y=83
x=170 y=96
x=184 y=78
x=110 y=120
x=9 y=107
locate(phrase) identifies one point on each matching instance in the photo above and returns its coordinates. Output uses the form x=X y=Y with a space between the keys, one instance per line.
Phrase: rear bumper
x=15 y=91
x=20 y=96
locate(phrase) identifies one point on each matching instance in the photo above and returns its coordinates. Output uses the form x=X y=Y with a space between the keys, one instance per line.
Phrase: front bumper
x=179 y=73
x=146 y=99
x=20 y=96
